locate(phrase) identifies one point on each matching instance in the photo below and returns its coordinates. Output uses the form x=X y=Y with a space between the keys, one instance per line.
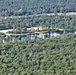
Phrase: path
x=15 y=17
x=44 y=14
x=33 y=28
x=5 y=31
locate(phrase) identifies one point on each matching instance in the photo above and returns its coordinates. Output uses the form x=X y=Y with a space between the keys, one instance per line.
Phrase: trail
x=15 y=17
x=9 y=34
x=33 y=28
x=44 y=14
x=5 y=31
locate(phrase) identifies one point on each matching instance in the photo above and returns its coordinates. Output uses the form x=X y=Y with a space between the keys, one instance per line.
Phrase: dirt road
x=44 y=14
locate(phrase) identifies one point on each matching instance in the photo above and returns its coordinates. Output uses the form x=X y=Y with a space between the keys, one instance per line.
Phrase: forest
x=54 y=56
x=27 y=7
x=39 y=56
x=64 y=22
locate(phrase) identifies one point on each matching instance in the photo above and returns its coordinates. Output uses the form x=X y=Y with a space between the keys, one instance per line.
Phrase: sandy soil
x=5 y=31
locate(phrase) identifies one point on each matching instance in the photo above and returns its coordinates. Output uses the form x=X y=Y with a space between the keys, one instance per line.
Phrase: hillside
x=64 y=22
x=27 y=7
x=55 y=56
x=42 y=37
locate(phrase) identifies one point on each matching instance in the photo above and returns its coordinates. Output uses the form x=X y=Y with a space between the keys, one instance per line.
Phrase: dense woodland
x=27 y=7
x=55 y=56
x=64 y=22
x=49 y=56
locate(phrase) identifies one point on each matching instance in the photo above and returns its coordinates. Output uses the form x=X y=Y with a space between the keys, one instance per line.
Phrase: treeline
x=55 y=56
x=64 y=22
x=27 y=7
